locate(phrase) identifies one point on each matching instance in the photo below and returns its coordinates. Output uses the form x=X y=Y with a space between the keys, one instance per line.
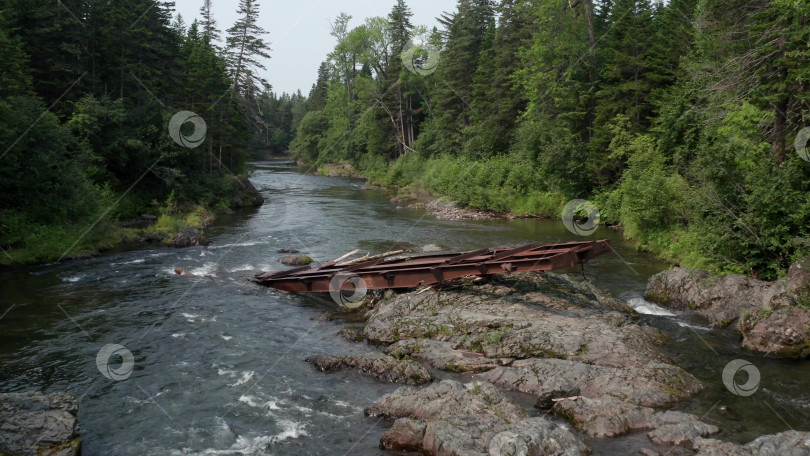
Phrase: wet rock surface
x=39 y=424
x=295 y=260
x=382 y=367
x=790 y=443
x=442 y=355
x=652 y=385
x=452 y=418
x=189 y=237
x=524 y=316
x=769 y=315
x=244 y=194
x=445 y=209
x=342 y=169
x=547 y=336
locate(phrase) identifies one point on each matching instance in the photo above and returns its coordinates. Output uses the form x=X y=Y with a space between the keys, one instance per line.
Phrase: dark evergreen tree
x=245 y=50
x=209 y=25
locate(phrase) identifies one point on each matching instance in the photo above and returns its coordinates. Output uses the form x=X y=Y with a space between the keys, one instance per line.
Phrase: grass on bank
x=500 y=184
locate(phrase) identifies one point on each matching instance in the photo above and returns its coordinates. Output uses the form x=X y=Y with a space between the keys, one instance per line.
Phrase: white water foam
x=258 y=444
x=236 y=244
x=208 y=269
x=643 y=306
x=698 y=327
x=291 y=430
x=246 y=376
x=253 y=401
x=229 y=373
x=191 y=318
x=74 y=279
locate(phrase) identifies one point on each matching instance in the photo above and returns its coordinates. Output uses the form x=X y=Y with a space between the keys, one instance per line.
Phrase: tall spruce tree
x=209 y=25
x=245 y=50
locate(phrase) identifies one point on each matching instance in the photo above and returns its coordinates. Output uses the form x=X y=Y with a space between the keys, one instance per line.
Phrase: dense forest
x=682 y=121
x=87 y=90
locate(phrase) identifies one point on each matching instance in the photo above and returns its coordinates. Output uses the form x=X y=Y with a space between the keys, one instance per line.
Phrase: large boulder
x=39 y=424
x=721 y=300
x=769 y=315
x=780 y=330
x=295 y=260
x=477 y=419
x=189 y=237
x=244 y=194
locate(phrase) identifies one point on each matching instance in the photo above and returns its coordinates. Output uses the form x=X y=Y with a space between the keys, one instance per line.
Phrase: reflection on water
x=219 y=362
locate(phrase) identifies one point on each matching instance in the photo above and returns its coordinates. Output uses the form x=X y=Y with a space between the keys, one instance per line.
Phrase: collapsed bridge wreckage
x=391 y=270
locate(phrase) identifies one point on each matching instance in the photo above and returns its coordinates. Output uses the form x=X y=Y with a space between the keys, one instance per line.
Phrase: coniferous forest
x=684 y=122
x=681 y=121
x=86 y=92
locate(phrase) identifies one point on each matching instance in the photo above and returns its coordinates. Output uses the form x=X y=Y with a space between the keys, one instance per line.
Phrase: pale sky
x=299 y=30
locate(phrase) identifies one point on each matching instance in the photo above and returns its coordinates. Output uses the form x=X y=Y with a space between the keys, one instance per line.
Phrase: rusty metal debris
x=382 y=271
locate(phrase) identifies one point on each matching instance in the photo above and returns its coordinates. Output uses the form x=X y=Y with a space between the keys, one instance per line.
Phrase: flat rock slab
x=477 y=419
x=611 y=417
x=790 y=443
x=444 y=356
x=524 y=316
x=652 y=385
x=383 y=367
x=39 y=424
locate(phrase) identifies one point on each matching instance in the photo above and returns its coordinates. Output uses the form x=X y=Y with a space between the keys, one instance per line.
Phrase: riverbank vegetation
x=680 y=120
x=87 y=90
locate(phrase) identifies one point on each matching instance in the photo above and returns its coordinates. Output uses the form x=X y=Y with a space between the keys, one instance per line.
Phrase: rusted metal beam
x=410 y=272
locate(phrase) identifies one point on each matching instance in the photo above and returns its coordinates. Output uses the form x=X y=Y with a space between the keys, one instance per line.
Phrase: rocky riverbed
x=591 y=369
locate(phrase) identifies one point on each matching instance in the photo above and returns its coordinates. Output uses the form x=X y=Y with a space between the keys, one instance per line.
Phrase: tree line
x=87 y=90
x=683 y=122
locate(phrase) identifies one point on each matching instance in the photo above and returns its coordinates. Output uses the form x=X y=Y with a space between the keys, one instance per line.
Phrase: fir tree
x=245 y=48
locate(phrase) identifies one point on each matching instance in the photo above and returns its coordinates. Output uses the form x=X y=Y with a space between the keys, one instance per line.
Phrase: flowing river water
x=219 y=363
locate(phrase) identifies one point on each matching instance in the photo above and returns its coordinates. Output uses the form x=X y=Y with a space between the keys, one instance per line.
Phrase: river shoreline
x=181 y=227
